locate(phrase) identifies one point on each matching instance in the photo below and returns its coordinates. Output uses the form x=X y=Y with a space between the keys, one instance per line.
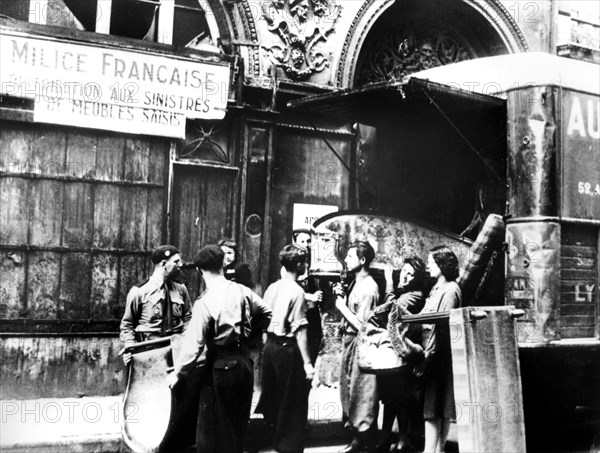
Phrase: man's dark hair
x=210 y=258
x=228 y=242
x=446 y=261
x=299 y=231
x=420 y=275
x=364 y=250
x=291 y=255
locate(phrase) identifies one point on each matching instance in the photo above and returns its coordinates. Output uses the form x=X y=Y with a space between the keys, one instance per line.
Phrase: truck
x=513 y=135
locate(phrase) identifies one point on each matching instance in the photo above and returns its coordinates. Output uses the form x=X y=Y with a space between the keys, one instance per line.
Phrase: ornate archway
x=392 y=38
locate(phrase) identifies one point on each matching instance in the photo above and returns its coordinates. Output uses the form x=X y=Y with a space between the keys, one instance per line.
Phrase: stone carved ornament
x=301 y=25
x=402 y=51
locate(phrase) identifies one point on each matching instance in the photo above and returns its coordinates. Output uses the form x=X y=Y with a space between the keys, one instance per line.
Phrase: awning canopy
x=381 y=102
x=497 y=75
x=461 y=87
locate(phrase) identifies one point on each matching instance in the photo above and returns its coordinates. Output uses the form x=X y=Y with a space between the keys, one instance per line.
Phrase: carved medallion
x=402 y=50
x=301 y=25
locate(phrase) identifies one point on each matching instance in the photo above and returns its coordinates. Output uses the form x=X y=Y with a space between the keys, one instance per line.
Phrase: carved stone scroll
x=301 y=25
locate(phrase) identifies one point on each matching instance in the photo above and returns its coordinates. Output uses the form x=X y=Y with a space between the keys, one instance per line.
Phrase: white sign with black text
x=306 y=214
x=107 y=88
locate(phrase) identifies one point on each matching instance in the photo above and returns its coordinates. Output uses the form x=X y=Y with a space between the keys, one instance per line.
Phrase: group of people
x=219 y=327
x=421 y=390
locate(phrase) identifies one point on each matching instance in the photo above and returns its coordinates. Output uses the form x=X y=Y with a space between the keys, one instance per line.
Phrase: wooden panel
x=304 y=171
x=202 y=207
x=48 y=149
x=186 y=209
x=47 y=215
x=578 y=274
x=255 y=238
x=42 y=285
x=579 y=281
x=14 y=210
x=155 y=218
x=577 y=309
x=109 y=158
x=578 y=320
x=216 y=205
x=135 y=162
x=579 y=235
x=134 y=202
x=132 y=269
x=75 y=286
x=12 y=284
x=104 y=301
x=577 y=251
x=315 y=171
x=107 y=216
x=571 y=331
x=157 y=162
x=15 y=144
x=578 y=293
x=578 y=263
x=81 y=154
x=365 y=194
x=487 y=378
x=78 y=215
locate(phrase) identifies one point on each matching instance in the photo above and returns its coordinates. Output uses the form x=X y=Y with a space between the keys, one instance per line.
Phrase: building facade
x=184 y=136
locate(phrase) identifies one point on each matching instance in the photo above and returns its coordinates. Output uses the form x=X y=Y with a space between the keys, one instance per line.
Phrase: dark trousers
x=398 y=393
x=314 y=332
x=225 y=401
x=284 y=397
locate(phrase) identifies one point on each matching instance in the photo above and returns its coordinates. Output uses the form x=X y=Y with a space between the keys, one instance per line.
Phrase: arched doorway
x=391 y=39
x=442 y=168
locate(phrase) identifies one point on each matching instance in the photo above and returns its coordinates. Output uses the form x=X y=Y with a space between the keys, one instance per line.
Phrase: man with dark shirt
x=287 y=365
x=224 y=319
x=158 y=306
x=313 y=298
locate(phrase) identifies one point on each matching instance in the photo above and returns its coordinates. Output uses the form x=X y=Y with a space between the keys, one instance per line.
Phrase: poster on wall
x=533 y=279
x=306 y=214
x=581 y=143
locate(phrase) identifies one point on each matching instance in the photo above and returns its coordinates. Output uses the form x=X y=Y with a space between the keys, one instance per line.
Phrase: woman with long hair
x=397 y=391
x=436 y=368
x=233 y=268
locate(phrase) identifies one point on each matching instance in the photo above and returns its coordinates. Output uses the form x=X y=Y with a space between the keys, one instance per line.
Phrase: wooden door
x=255 y=227
x=202 y=210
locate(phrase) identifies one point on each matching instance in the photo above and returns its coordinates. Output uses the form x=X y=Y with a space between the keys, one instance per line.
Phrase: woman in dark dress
x=397 y=391
x=436 y=368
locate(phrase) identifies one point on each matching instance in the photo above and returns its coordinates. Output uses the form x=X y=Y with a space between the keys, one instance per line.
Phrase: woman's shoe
x=356 y=446
x=383 y=446
x=403 y=448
